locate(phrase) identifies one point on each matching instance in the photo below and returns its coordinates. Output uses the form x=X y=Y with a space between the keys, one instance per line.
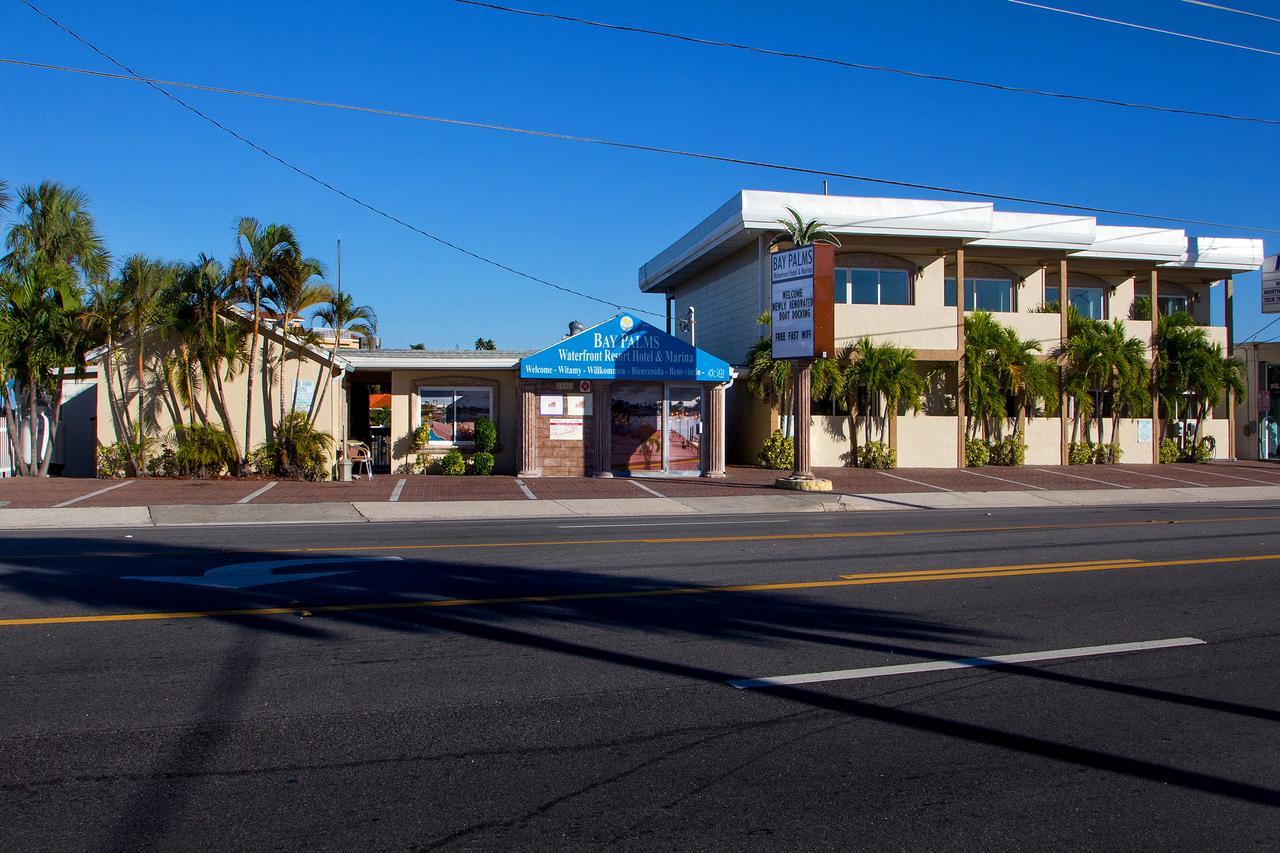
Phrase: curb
x=214 y=515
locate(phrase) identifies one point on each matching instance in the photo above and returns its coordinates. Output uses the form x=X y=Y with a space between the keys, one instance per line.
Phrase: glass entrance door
x=656 y=428
x=684 y=429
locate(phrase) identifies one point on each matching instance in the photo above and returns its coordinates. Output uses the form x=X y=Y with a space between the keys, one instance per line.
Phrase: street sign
x=1271 y=285
x=802 y=310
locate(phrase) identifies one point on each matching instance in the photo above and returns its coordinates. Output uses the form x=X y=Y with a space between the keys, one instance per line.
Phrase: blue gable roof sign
x=624 y=348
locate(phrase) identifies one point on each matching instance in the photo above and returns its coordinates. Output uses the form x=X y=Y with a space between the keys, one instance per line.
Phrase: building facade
x=897 y=270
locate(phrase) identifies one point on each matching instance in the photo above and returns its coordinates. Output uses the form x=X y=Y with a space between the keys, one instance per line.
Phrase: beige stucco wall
x=1044 y=441
x=1044 y=328
x=829 y=441
x=118 y=370
x=918 y=326
x=405 y=412
x=926 y=441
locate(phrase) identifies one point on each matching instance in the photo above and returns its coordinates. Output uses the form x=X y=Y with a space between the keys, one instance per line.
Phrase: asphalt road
x=557 y=684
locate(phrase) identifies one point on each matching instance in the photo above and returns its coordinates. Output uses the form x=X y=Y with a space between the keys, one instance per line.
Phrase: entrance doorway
x=656 y=429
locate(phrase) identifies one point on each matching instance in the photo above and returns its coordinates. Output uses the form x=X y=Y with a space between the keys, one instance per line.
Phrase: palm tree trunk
x=323 y=379
x=218 y=395
x=284 y=351
x=140 y=468
x=53 y=428
x=119 y=411
x=253 y=354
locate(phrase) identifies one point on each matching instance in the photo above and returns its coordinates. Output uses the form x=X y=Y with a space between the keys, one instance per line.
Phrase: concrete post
x=528 y=430
x=713 y=432
x=960 y=374
x=800 y=393
x=1156 y=425
x=1063 y=314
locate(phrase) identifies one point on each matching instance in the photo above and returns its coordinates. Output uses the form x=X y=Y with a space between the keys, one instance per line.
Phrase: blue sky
x=165 y=183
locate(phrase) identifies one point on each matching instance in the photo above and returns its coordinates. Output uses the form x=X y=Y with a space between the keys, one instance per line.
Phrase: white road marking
x=528 y=494
x=1170 y=479
x=917 y=482
x=670 y=524
x=4 y=503
x=640 y=485
x=93 y=494
x=1234 y=477
x=395 y=493
x=268 y=487
x=261 y=573
x=962 y=663
x=1003 y=480
x=1090 y=479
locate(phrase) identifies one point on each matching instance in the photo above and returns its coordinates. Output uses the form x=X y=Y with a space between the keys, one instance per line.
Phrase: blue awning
x=624 y=348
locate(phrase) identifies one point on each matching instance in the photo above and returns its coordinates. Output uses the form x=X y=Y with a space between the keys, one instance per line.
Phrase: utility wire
x=591 y=140
x=1255 y=335
x=1230 y=9
x=156 y=85
x=827 y=60
x=1134 y=26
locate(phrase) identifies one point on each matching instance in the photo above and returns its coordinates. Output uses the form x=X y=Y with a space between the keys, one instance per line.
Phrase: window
x=982 y=294
x=1170 y=305
x=1089 y=301
x=873 y=286
x=450 y=413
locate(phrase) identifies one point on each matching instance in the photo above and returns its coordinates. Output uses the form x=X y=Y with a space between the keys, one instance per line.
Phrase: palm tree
x=55 y=226
x=296 y=285
x=768 y=375
x=802 y=232
x=258 y=252
x=342 y=316
x=5 y=198
x=888 y=373
x=104 y=316
x=984 y=339
x=1102 y=360
x=1024 y=374
x=144 y=281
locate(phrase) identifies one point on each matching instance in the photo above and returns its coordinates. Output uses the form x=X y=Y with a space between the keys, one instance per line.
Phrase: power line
x=156 y=85
x=1230 y=9
x=1134 y=26
x=1255 y=335
x=827 y=60
x=592 y=140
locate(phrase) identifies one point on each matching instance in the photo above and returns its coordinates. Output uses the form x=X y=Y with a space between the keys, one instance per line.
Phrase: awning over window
x=624 y=348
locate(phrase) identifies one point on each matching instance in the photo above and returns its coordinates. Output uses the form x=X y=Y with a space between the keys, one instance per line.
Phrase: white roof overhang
x=1115 y=242
x=1071 y=233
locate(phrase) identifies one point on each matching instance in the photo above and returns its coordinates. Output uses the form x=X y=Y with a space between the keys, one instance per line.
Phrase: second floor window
x=1170 y=305
x=873 y=286
x=982 y=294
x=1091 y=302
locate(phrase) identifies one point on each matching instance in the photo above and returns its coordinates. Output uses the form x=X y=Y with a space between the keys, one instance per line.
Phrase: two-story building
x=897 y=269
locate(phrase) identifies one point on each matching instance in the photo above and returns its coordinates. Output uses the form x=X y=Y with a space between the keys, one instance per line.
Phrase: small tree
x=485 y=344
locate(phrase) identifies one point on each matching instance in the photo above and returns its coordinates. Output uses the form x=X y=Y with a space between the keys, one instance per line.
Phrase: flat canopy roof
x=752 y=213
x=623 y=347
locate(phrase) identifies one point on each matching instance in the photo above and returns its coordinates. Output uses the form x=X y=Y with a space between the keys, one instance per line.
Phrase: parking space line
x=1003 y=480
x=1170 y=479
x=395 y=493
x=527 y=493
x=268 y=487
x=962 y=663
x=1090 y=479
x=917 y=482
x=94 y=494
x=1234 y=477
x=640 y=485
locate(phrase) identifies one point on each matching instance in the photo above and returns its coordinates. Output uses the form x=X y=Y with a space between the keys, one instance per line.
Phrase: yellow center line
x=844 y=581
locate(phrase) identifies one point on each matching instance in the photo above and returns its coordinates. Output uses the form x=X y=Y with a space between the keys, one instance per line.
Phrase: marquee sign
x=624 y=348
x=802 y=303
x=1271 y=285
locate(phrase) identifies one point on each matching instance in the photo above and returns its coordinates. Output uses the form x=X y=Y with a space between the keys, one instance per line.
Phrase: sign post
x=802 y=328
x=1271 y=285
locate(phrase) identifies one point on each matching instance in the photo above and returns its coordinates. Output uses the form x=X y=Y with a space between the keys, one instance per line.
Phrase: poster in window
x=1144 y=430
x=551 y=404
x=577 y=405
x=566 y=429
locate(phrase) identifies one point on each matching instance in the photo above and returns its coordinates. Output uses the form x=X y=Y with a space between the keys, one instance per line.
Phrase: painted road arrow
x=262 y=573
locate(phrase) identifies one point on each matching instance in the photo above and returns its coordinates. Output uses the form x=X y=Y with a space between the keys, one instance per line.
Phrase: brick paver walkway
x=23 y=493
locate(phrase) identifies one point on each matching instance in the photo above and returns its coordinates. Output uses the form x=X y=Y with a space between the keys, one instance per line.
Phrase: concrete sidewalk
x=360 y=512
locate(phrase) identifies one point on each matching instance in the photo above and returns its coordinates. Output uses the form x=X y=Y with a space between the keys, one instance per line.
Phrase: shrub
x=113 y=461
x=482 y=463
x=877 y=455
x=1169 y=451
x=163 y=463
x=421 y=436
x=1202 y=451
x=778 y=452
x=297 y=451
x=486 y=435
x=453 y=463
x=203 y=451
x=976 y=453
x=1080 y=453
x=1010 y=450
x=1107 y=454
x=1141 y=309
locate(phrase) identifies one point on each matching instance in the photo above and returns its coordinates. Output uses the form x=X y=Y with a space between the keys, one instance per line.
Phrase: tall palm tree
x=55 y=226
x=1101 y=360
x=297 y=284
x=984 y=397
x=259 y=250
x=888 y=374
x=802 y=232
x=144 y=281
x=342 y=316
x=1024 y=374
x=105 y=314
